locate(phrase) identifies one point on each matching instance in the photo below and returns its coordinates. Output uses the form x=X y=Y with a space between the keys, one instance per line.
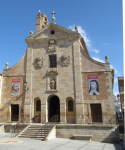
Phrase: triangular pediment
x=46 y=33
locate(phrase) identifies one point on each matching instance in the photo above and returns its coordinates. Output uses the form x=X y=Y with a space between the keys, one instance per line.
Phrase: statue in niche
x=38 y=62
x=65 y=60
x=53 y=84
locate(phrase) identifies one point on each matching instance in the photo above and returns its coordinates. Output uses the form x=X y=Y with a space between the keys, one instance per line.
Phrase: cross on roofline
x=53 y=13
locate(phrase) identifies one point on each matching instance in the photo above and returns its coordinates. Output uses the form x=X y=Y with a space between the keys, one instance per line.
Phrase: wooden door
x=96 y=112
x=14 y=112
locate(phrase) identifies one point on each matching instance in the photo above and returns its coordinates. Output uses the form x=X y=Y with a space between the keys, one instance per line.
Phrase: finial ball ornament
x=7 y=64
x=31 y=32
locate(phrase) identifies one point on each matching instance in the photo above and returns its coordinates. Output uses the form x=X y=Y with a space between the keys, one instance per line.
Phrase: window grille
x=52 y=60
x=38 y=105
x=70 y=105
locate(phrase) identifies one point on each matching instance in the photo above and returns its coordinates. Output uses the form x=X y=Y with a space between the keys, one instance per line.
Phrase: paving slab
x=53 y=144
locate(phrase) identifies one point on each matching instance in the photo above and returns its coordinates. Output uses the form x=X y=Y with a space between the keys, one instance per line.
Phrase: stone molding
x=15 y=75
x=93 y=60
x=17 y=62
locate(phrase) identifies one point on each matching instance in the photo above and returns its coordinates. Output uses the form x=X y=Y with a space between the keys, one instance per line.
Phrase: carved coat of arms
x=52 y=46
x=38 y=62
x=65 y=60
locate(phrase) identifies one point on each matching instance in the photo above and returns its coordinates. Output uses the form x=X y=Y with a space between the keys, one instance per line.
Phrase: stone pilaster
x=28 y=94
x=62 y=112
x=44 y=113
x=78 y=82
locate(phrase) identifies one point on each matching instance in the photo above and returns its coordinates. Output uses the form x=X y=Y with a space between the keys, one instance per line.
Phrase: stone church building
x=57 y=76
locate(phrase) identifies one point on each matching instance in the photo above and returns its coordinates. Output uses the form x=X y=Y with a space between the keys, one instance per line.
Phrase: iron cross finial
x=53 y=13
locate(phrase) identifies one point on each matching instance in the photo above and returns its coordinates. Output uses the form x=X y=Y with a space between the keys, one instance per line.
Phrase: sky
x=100 y=22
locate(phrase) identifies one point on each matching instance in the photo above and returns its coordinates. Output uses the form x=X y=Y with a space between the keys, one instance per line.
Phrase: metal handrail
x=19 y=124
x=1 y=117
x=110 y=119
x=54 y=119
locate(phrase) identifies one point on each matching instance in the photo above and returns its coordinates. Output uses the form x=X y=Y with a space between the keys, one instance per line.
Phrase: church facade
x=57 y=76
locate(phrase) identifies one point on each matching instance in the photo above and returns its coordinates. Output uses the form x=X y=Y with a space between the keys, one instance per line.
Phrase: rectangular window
x=52 y=61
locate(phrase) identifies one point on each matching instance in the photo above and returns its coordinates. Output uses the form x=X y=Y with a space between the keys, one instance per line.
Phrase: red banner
x=15 y=80
x=93 y=77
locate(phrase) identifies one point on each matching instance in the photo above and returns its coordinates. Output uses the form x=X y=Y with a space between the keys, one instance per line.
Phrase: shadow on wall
x=6 y=110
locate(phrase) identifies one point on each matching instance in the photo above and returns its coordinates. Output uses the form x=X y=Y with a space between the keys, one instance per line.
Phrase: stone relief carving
x=53 y=84
x=52 y=46
x=65 y=60
x=38 y=62
x=52 y=81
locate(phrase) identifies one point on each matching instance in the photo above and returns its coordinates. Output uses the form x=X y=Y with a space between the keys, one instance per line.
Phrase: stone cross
x=53 y=18
x=53 y=13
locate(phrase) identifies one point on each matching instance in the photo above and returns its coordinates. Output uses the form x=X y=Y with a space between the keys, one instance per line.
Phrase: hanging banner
x=93 y=85
x=15 y=92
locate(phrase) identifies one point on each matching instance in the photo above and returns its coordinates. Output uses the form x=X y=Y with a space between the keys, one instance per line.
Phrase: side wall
x=100 y=133
x=105 y=97
x=16 y=72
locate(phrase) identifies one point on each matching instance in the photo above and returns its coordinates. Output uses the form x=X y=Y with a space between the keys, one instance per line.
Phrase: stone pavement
x=53 y=144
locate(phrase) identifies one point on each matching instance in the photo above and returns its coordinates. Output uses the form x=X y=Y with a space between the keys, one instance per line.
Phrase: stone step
x=28 y=136
x=82 y=137
x=35 y=132
x=29 y=130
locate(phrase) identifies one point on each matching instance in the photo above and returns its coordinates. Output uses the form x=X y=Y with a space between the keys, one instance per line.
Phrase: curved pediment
x=52 y=72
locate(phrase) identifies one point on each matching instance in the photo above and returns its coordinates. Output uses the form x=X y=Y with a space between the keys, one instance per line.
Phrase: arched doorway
x=54 y=107
x=37 y=109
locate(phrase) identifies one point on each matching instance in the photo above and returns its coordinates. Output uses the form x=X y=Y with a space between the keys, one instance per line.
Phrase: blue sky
x=100 y=22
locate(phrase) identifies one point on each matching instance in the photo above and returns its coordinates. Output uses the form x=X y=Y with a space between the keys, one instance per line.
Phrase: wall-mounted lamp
x=25 y=83
x=26 y=88
x=21 y=110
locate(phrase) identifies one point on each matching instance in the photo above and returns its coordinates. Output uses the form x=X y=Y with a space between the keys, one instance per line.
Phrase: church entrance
x=54 y=107
x=96 y=112
x=14 y=112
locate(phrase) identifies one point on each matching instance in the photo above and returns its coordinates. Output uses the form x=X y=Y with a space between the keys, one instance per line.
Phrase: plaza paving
x=53 y=144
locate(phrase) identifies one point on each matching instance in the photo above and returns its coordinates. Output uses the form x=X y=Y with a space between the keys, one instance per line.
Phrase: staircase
x=36 y=132
x=40 y=132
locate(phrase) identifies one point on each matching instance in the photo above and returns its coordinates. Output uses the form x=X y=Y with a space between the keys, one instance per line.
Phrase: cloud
x=105 y=44
x=116 y=71
x=86 y=38
x=95 y=50
x=115 y=93
x=115 y=80
x=98 y=59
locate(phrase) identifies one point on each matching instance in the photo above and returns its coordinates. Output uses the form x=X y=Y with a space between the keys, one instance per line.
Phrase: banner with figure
x=93 y=85
x=15 y=92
